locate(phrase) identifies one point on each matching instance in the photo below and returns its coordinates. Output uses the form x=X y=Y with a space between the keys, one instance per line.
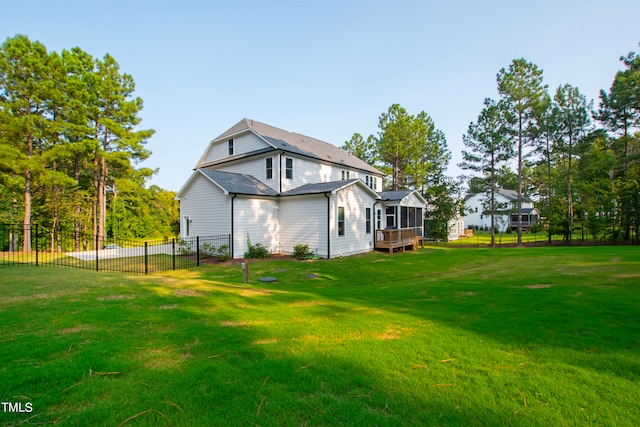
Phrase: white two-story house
x=477 y=211
x=281 y=189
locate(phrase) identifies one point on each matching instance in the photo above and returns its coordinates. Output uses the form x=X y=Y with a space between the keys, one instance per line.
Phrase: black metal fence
x=40 y=246
x=482 y=239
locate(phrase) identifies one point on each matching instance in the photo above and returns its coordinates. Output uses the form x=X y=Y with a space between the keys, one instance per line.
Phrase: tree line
x=70 y=145
x=580 y=163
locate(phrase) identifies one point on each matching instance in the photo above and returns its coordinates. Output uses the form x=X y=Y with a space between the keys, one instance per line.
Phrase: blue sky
x=326 y=69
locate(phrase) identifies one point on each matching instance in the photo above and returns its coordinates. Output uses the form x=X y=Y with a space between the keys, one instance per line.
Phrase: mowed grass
x=441 y=336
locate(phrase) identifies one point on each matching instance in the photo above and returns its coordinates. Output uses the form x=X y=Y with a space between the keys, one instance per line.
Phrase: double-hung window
x=367 y=220
x=231 y=147
x=340 y=221
x=288 y=172
x=269 y=166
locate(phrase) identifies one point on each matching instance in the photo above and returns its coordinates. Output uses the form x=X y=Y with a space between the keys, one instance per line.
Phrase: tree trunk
x=519 y=181
x=569 y=195
x=26 y=247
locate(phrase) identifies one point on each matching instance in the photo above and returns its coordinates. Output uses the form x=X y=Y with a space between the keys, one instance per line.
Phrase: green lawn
x=468 y=337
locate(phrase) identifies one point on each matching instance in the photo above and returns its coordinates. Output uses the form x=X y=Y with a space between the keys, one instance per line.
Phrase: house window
x=187 y=220
x=340 y=221
x=371 y=182
x=345 y=175
x=269 y=164
x=367 y=222
x=231 y=147
x=391 y=216
x=379 y=219
x=288 y=168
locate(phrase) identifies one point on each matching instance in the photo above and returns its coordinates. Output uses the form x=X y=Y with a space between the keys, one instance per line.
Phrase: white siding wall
x=305 y=171
x=257 y=218
x=303 y=220
x=411 y=201
x=241 y=144
x=256 y=167
x=309 y=171
x=208 y=208
x=354 y=200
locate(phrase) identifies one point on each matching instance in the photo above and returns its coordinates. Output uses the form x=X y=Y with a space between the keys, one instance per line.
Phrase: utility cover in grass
x=268 y=279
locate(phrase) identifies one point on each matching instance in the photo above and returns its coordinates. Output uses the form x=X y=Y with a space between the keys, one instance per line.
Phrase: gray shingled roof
x=321 y=187
x=296 y=143
x=395 y=195
x=512 y=195
x=236 y=183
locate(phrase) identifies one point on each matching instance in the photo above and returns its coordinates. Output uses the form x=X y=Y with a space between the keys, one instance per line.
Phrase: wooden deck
x=400 y=239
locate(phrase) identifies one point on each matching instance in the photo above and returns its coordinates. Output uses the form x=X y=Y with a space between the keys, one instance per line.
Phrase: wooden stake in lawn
x=245 y=268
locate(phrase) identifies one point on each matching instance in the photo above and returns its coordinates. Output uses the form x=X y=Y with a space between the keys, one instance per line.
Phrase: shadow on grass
x=374 y=340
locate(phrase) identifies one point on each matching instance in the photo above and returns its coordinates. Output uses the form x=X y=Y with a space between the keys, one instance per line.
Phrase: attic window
x=231 y=147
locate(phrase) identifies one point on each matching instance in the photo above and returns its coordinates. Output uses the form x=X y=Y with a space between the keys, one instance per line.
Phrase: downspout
x=374 y=218
x=231 y=236
x=328 y=225
x=280 y=172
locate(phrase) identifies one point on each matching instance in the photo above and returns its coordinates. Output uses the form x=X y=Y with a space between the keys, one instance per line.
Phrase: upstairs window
x=345 y=175
x=231 y=147
x=269 y=166
x=371 y=182
x=288 y=168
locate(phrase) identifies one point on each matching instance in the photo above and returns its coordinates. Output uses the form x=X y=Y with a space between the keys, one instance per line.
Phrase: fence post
x=198 y=251
x=146 y=258
x=173 y=253
x=36 y=227
x=95 y=245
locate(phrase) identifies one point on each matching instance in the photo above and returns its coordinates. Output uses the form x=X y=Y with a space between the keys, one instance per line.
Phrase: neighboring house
x=477 y=211
x=282 y=189
x=456 y=228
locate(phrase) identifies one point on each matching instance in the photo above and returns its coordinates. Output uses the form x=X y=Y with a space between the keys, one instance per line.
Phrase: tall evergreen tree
x=619 y=112
x=412 y=151
x=114 y=117
x=488 y=148
x=361 y=148
x=522 y=94
x=25 y=84
x=572 y=112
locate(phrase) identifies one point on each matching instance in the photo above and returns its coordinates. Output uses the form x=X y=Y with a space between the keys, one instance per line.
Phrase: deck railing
x=397 y=238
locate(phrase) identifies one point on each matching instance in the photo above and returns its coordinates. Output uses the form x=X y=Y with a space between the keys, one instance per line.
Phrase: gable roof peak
x=297 y=143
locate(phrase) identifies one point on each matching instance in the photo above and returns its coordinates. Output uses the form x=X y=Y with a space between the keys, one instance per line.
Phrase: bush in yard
x=185 y=248
x=223 y=253
x=301 y=251
x=207 y=249
x=256 y=251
